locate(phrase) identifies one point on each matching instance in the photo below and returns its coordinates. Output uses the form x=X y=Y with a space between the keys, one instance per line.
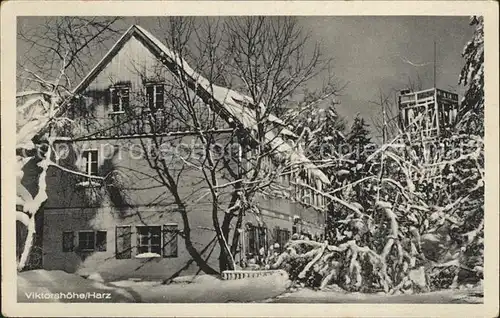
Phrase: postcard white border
x=10 y=10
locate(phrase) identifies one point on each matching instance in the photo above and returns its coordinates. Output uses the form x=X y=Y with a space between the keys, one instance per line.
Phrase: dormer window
x=155 y=94
x=120 y=98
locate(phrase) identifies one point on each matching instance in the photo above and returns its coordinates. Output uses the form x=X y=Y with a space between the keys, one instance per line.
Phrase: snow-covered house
x=115 y=216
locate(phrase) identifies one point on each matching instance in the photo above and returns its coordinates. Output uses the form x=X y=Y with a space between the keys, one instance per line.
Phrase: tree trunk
x=32 y=207
x=28 y=243
x=236 y=234
x=202 y=264
x=224 y=258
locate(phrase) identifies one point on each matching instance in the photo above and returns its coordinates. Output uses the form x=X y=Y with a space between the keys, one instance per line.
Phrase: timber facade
x=115 y=217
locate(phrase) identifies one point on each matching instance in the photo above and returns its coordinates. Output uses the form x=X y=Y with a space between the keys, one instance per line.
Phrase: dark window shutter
x=247 y=240
x=170 y=232
x=68 y=241
x=263 y=238
x=125 y=96
x=115 y=101
x=255 y=237
x=276 y=235
x=101 y=241
x=123 y=242
x=105 y=97
x=93 y=168
x=159 y=96
x=267 y=240
x=251 y=239
x=150 y=94
x=86 y=155
x=155 y=239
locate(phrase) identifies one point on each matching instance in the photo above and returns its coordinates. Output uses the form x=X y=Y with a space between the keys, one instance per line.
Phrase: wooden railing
x=241 y=274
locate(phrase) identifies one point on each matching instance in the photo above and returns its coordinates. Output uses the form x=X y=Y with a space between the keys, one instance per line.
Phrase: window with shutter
x=149 y=239
x=120 y=98
x=123 y=241
x=170 y=240
x=257 y=237
x=86 y=241
x=282 y=237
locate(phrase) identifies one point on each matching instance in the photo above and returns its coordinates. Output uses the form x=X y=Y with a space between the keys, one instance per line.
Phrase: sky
x=370 y=54
x=373 y=54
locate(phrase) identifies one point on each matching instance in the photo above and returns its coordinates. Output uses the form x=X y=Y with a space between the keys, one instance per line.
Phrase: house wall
x=141 y=200
x=131 y=192
x=107 y=218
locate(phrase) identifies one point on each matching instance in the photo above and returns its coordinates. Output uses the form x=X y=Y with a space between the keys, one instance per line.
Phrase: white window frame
x=118 y=88
x=150 y=246
x=88 y=165
x=155 y=94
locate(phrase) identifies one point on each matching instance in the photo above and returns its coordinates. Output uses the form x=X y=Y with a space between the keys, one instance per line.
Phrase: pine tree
x=472 y=75
x=358 y=139
x=329 y=134
x=471 y=122
x=359 y=135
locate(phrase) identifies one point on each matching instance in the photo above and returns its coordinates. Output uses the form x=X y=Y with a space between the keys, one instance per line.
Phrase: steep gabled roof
x=232 y=104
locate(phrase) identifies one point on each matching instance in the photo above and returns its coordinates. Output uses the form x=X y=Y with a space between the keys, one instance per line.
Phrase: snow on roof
x=233 y=102
x=237 y=105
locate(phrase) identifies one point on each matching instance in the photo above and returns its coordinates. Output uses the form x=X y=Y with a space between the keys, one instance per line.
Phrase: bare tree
x=244 y=146
x=267 y=69
x=73 y=40
x=387 y=123
x=60 y=46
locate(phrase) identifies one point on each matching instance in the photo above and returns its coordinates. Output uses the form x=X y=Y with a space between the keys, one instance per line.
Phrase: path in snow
x=471 y=296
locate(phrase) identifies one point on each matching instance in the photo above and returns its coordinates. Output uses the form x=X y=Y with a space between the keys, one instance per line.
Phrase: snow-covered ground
x=203 y=288
x=59 y=286
x=210 y=289
x=452 y=296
